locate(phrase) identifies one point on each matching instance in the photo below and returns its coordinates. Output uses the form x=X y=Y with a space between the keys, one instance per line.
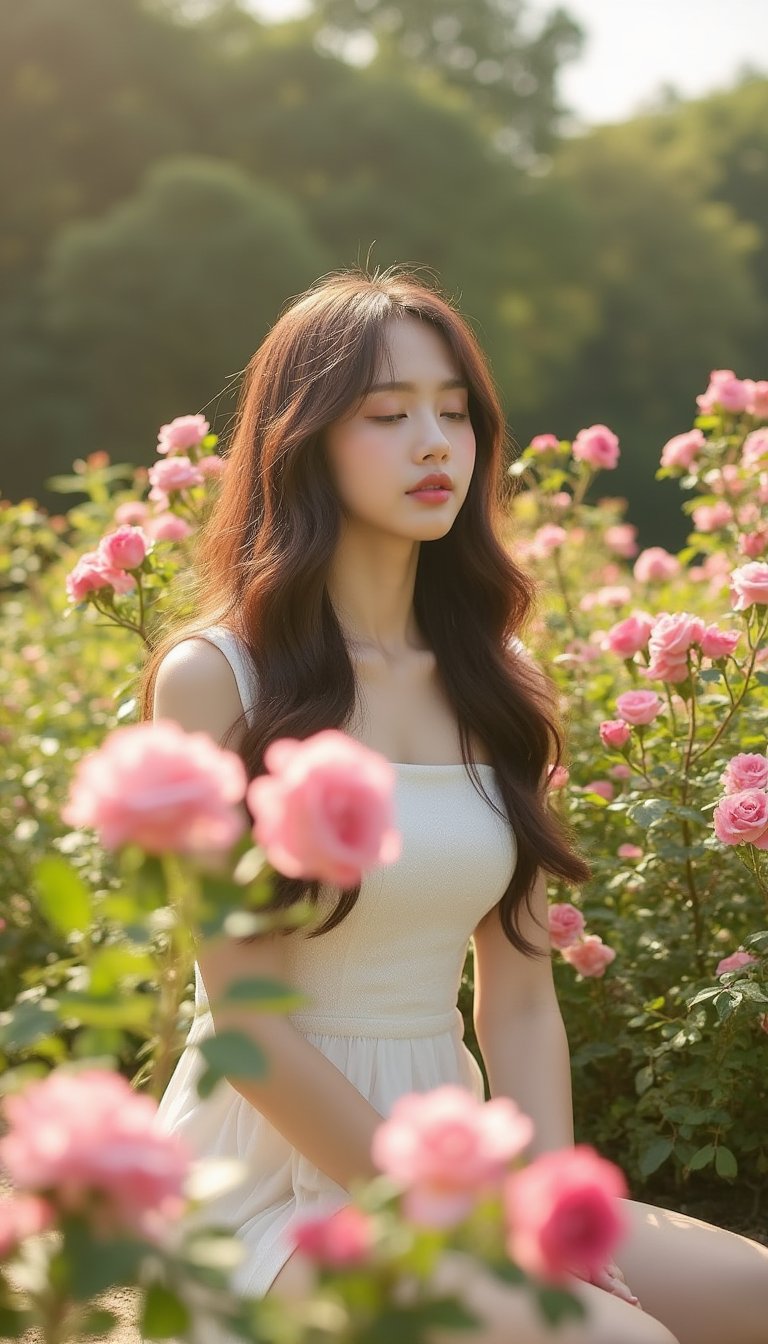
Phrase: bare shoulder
x=196 y=686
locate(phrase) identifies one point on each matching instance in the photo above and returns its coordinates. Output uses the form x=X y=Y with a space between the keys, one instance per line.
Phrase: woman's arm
x=304 y=1095
x=519 y=1026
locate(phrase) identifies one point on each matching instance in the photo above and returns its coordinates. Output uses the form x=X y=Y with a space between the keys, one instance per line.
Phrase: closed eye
x=389 y=419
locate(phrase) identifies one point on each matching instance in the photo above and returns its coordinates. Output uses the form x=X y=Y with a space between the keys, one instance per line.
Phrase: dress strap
x=231 y=646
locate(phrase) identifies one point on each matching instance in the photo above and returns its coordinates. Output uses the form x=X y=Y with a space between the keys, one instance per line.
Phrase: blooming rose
x=71 y=1134
x=630 y=635
x=754 y=544
x=22 y=1216
x=132 y=511
x=638 y=707
x=629 y=852
x=670 y=638
x=156 y=786
x=614 y=733
x=125 y=548
x=544 y=443
x=167 y=527
x=757 y=404
x=547 y=539
x=622 y=540
x=683 y=449
x=563 y=1213
x=749 y=585
x=725 y=390
x=711 y=517
x=598 y=446
x=736 y=962
x=655 y=565
x=338 y=1239
x=742 y=818
x=566 y=924
x=182 y=433
x=754 y=452
x=557 y=777
x=173 y=473
x=326 y=809
x=590 y=956
x=213 y=466
x=748 y=770
x=726 y=480
x=717 y=643
x=602 y=787
x=92 y=573
x=446 y=1148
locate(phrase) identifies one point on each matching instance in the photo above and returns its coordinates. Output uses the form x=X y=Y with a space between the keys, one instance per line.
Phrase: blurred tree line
x=176 y=170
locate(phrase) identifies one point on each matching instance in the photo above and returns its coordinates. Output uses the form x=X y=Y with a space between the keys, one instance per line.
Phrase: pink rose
x=590 y=956
x=717 y=643
x=748 y=770
x=561 y=500
x=620 y=771
x=683 y=449
x=655 y=565
x=345 y=1237
x=754 y=452
x=754 y=544
x=736 y=962
x=182 y=433
x=602 y=787
x=212 y=466
x=125 y=548
x=614 y=733
x=153 y=785
x=445 y=1149
x=132 y=511
x=547 y=539
x=92 y=573
x=638 y=707
x=629 y=636
x=557 y=777
x=749 y=585
x=725 y=390
x=566 y=924
x=622 y=540
x=742 y=818
x=712 y=517
x=173 y=473
x=598 y=446
x=326 y=810
x=563 y=1213
x=75 y=1133
x=629 y=852
x=168 y=527
x=757 y=403
x=726 y=480
x=544 y=443
x=22 y=1216
x=674 y=632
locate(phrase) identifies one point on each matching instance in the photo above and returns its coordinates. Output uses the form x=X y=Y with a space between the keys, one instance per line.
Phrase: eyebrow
x=411 y=387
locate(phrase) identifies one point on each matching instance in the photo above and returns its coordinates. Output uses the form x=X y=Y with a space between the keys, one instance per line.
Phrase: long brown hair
x=263 y=553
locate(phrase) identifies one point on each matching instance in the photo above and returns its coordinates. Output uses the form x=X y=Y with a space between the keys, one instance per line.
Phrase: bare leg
x=709 y=1286
x=508 y=1314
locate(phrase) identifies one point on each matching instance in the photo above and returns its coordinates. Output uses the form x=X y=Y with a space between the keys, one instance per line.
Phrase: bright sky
x=632 y=49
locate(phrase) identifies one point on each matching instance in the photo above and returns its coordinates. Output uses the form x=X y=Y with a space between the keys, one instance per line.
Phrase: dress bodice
x=393 y=965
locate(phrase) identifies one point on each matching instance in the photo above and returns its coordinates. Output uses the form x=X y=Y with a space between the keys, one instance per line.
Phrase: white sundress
x=383 y=988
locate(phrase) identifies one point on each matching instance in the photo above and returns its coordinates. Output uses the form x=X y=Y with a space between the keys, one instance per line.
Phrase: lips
x=436 y=481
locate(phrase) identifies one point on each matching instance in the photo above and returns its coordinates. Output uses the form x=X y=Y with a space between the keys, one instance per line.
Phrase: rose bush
x=662 y=665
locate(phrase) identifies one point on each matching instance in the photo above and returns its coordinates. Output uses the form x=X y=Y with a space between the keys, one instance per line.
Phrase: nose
x=435 y=438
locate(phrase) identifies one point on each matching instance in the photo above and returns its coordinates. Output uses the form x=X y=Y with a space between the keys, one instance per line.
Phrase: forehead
x=415 y=349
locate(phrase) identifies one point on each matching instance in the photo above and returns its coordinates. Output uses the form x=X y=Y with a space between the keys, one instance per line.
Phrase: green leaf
x=229 y=1053
x=648 y=811
x=702 y=1157
x=644 y=1078
x=654 y=1155
x=63 y=897
x=129 y=1011
x=99 y=1322
x=557 y=1304
x=163 y=1315
x=28 y=1023
x=725 y=1162
x=269 y=996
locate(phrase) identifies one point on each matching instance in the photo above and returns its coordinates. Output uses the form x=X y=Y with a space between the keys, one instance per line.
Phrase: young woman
x=332 y=592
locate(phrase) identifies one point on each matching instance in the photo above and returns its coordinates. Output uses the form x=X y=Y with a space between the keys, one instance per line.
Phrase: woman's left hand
x=611 y=1278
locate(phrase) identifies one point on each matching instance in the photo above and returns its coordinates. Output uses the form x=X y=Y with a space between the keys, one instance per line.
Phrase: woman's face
x=382 y=449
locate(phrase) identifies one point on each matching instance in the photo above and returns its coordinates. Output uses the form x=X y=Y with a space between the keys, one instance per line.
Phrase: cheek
x=364 y=460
